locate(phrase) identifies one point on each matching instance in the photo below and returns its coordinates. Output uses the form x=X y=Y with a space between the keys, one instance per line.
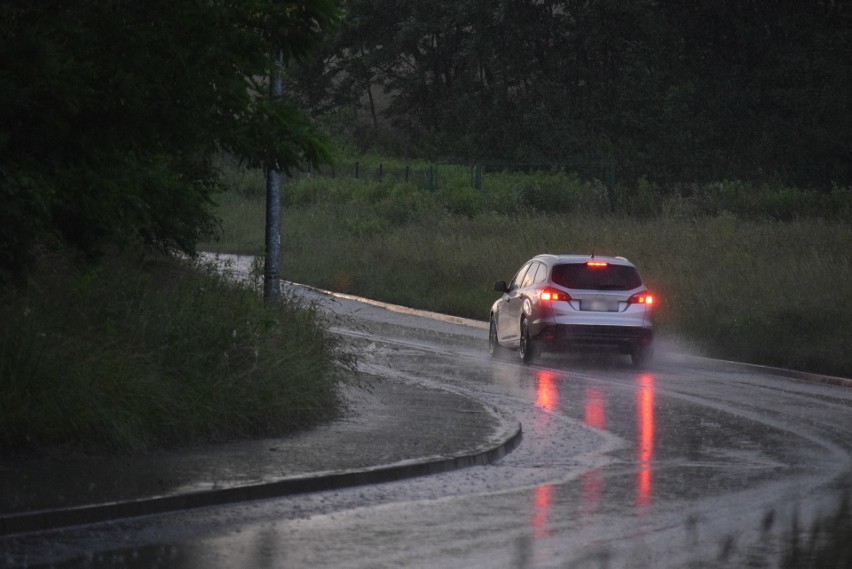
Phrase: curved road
x=691 y=462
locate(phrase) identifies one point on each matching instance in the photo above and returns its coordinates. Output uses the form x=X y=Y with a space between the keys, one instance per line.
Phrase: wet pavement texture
x=689 y=462
x=424 y=424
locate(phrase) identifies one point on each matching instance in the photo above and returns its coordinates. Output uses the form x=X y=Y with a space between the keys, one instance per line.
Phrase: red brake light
x=643 y=297
x=597 y=264
x=550 y=294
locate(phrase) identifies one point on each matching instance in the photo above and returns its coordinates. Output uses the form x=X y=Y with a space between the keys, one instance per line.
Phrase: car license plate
x=599 y=305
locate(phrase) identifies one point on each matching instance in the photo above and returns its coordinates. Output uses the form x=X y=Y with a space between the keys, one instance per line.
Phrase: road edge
x=62 y=518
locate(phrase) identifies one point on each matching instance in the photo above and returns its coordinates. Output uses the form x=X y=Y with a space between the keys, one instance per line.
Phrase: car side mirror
x=500 y=286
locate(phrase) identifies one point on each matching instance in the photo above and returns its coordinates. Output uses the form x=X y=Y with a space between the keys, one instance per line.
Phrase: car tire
x=642 y=355
x=527 y=348
x=494 y=347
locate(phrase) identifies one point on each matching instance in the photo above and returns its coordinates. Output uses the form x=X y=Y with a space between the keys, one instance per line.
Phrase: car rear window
x=610 y=277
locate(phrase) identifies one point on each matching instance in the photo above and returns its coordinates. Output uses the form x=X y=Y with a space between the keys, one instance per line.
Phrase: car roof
x=553 y=259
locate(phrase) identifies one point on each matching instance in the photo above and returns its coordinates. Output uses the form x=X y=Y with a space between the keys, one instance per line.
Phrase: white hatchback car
x=567 y=302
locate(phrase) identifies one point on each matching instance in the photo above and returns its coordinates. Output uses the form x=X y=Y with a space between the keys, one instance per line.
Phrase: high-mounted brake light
x=597 y=264
x=550 y=294
x=643 y=297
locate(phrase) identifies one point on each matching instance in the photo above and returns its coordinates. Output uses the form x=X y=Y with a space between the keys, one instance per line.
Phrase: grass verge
x=135 y=353
x=826 y=545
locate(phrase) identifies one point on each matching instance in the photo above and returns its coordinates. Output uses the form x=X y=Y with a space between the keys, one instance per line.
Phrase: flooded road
x=686 y=463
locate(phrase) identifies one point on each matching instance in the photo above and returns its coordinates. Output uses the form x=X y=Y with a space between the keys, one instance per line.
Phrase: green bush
x=517 y=194
x=840 y=203
x=246 y=182
x=643 y=201
x=780 y=203
x=131 y=355
x=462 y=200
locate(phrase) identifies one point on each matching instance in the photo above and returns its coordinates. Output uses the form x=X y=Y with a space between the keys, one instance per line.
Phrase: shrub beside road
x=135 y=353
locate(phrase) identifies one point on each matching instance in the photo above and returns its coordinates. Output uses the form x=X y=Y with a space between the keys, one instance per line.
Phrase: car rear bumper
x=623 y=338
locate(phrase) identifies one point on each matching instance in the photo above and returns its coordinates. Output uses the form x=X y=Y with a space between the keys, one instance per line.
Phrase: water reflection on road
x=547 y=398
x=593 y=482
x=644 y=455
x=644 y=439
x=550 y=384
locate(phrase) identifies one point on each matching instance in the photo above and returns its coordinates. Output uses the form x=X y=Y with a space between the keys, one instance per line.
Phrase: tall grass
x=735 y=285
x=135 y=353
x=825 y=545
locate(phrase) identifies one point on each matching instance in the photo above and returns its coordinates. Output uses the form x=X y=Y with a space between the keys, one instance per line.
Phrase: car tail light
x=597 y=264
x=643 y=297
x=550 y=294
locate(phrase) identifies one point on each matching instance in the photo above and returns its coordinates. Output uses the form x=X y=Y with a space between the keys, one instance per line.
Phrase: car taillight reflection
x=593 y=482
x=595 y=410
x=543 y=498
x=645 y=436
x=547 y=398
x=547 y=395
x=595 y=416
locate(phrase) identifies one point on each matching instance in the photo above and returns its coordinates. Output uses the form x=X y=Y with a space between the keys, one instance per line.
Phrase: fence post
x=380 y=170
x=610 y=176
x=477 y=177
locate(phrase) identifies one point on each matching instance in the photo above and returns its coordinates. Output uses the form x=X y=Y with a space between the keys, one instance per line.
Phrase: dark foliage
x=689 y=92
x=112 y=109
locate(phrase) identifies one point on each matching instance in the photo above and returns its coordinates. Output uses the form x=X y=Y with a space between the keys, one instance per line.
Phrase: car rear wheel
x=642 y=355
x=527 y=348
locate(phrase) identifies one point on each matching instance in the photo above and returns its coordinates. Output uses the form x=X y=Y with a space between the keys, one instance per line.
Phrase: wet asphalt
x=606 y=453
x=391 y=430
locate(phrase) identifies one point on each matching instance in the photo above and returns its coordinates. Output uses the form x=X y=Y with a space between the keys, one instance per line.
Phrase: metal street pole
x=271 y=273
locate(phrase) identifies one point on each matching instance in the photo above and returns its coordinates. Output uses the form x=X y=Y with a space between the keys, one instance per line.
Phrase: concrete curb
x=397 y=308
x=43 y=520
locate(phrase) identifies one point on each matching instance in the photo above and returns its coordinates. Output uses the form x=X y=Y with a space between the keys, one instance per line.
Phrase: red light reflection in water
x=593 y=483
x=543 y=499
x=595 y=410
x=547 y=396
x=645 y=439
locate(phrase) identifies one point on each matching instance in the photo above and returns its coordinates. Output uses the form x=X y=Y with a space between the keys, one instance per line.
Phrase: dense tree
x=704 y=90
x=113 y=109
